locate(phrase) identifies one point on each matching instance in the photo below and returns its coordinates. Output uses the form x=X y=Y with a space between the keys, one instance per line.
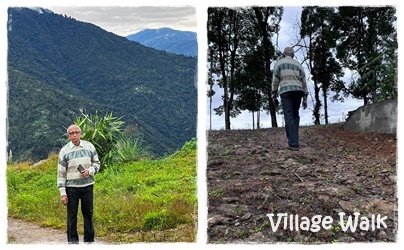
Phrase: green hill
x=57 y=65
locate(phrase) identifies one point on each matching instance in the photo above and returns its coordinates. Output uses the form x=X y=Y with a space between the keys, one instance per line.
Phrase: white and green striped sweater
x=70 y=156
x=288 y=75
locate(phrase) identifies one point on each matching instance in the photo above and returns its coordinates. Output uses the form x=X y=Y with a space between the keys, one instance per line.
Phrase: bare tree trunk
x=210 y=90
x=266 y=39
x=225 y=90
x=253 y=121
x=325 y=106
x=210 y=109
x=317 y=105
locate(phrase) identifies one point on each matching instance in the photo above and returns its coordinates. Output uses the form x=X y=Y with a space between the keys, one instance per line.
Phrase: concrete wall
x=380 y=117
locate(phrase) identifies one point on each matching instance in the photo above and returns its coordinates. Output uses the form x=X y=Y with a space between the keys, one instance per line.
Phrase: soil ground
x=251 y=173
x=23 y=232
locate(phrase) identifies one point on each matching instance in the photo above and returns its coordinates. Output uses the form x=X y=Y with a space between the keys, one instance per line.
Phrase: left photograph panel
x=101 y=125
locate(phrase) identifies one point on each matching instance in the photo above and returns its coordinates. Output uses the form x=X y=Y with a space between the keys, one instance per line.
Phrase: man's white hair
x=289 y=52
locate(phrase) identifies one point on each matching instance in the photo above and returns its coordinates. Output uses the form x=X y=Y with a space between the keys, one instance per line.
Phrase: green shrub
x=103 y=132
x=156 y=220
x=12 y=181
x=130 y=150
x=163 y=219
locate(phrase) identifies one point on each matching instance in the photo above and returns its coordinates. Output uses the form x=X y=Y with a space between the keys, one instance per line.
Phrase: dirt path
x=23 y=232
x=251 y=174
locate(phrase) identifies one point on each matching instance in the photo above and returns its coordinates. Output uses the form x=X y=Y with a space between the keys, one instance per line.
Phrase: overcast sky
x=124 y=21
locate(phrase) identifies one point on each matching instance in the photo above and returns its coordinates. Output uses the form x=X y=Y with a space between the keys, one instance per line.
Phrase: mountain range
x=167 y=39
x=58 y=65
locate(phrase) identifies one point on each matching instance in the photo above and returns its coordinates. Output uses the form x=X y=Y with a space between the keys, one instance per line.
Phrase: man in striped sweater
x=76 y=185
x=289 y=81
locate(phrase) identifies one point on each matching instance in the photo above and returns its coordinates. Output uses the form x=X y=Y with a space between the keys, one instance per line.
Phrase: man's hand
x=276 y=102
x=304 y=105
x=85 y=173
x=64 y=200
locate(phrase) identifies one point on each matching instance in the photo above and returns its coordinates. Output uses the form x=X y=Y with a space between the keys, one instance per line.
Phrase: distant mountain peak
x=168 y=39
x=163 y=29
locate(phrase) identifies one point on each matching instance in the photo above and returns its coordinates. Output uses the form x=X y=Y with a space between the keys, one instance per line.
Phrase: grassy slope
x=147 y=201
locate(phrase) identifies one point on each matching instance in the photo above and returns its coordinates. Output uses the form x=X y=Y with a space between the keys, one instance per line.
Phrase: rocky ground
x=251 y=174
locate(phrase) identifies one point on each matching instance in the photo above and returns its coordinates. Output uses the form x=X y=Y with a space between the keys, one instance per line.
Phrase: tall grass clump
x=130 y=150
x=141 y=201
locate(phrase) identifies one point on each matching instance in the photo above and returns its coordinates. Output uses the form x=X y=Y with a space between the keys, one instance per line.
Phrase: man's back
x=288 y=75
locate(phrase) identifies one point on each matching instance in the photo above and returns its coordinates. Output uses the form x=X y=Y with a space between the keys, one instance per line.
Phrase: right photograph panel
x=302 y=124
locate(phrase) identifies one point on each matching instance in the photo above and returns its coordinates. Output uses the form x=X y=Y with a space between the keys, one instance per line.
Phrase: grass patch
x=145 y=201
x=214 y=194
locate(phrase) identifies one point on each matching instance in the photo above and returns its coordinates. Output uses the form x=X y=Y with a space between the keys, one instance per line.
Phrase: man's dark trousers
x=291 y=101
x=74 y=195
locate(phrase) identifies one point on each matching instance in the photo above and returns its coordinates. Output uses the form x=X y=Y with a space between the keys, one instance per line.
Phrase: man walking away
x=289 y=82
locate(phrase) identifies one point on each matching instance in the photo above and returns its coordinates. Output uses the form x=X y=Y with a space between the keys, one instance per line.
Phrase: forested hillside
x=57 y=65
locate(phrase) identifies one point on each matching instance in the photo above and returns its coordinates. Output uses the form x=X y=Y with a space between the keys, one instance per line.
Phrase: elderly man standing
x=78 y=163
x=289 y=81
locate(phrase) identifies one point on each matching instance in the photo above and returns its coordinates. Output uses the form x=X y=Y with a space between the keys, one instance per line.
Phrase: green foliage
x=367 y=45
x=161 y=220
x=36 y=127
x=155 y=220
x=378 y=73
x=111 y=143
x=188 y=148
x=130 y=150
x=148 y=200
x=103 y=132
x=12 y=181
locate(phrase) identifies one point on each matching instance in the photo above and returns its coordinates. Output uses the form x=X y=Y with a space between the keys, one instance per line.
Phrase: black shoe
x=293 y=148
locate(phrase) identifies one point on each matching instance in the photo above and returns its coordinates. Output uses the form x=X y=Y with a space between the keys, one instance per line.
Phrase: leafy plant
x=103 y=132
